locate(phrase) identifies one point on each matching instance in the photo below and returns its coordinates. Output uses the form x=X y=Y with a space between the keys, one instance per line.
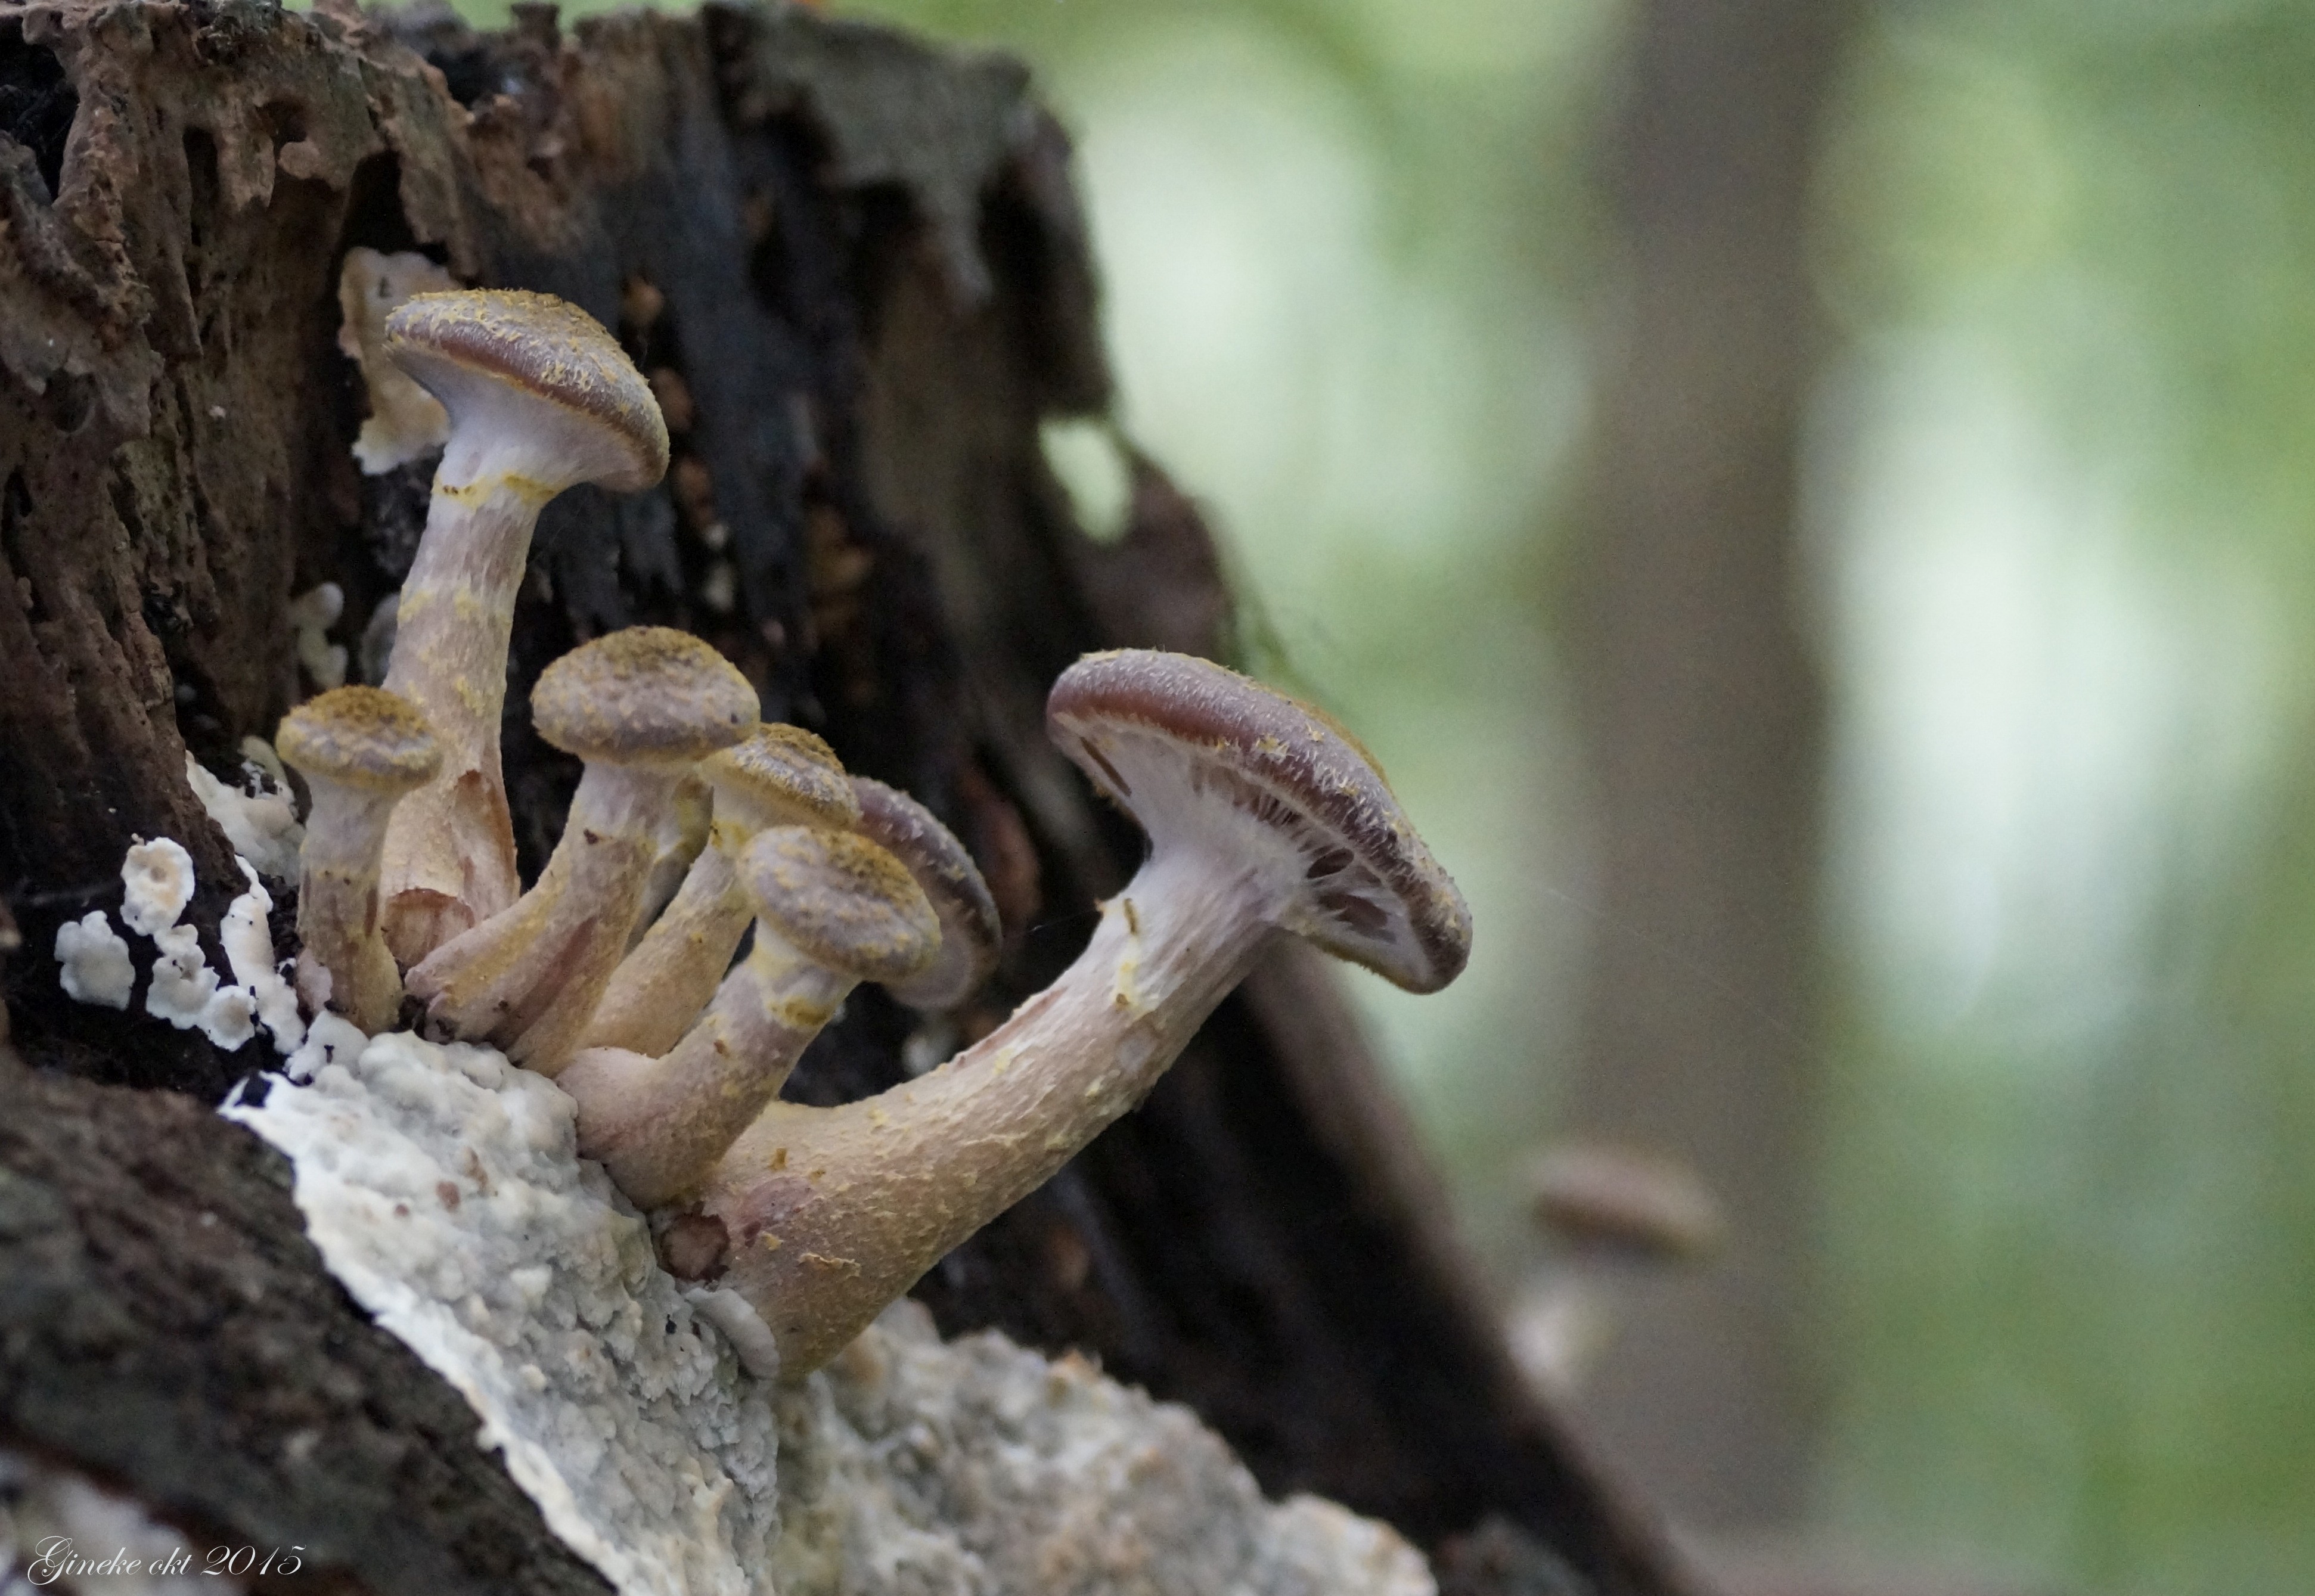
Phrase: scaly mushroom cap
x=359 y=737
x=782 y=776
x=648 y=694
x=1226 y=752
x=971 y=936
x=841 y=901
x=587 y=409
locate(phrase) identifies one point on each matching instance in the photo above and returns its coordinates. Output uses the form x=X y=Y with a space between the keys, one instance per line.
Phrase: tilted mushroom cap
x=840 y=900
x=648 y=694
x=1626 y=1200
x=359 y=737
x=1226 y=751
x=588 y=411
x=971 y=936
x=783 y=775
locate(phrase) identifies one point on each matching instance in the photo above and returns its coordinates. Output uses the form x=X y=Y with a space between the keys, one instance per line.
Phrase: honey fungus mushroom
x=641 y=707
x=1263 y=817
x=540 y=398
x=970 y=937
x=831 y=911
x=360 y=750
x=779 y=775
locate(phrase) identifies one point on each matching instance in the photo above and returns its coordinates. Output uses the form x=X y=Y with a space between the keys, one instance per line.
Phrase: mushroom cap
x=544 y=368
x=647 y=695
x=782 y=776
x=359 y=737
x=840 y=900
x=971 y=936
x=1215 y=751
x=1625 y=1199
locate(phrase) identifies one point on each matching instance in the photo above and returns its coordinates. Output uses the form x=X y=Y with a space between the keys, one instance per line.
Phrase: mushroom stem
x=780 y=775
x=833 y=1212
x=528 y=979
x=659 y=1125
x=362 y=750
x=641 y=707
x=451 y=851
x=337 y=905
x=831 y=911
x=540 y=398
x=1262 y=817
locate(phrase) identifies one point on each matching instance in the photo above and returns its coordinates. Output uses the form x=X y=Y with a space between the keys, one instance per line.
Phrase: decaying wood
x=859 y=265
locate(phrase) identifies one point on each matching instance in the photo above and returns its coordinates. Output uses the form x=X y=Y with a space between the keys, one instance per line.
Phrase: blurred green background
x=2057 y=501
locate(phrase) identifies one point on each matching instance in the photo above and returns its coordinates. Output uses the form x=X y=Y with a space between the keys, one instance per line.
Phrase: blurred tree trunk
x=856 y=273
x=1703 y=712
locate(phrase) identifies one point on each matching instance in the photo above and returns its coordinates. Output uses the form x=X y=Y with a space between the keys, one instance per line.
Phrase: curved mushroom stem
x=780 y=776
x=831 y=1213
x=450 y=853
x=831 y=911
x=528 y=979
x=658 y=989
x=659 y=1125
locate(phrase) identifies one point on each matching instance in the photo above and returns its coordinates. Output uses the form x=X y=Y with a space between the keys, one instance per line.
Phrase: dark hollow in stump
x=855 y=268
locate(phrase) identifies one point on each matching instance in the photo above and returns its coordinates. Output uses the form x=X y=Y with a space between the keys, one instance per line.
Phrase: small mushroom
x=360 y=750
x=1263 y=816
x=971 y=937
x=540 y=398
x=781 y=776
x=1606 y=1203
x=641 y=707
x=831 y=911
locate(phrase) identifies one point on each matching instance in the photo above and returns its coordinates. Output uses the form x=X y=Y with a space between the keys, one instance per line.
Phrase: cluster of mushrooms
x=1262 y=816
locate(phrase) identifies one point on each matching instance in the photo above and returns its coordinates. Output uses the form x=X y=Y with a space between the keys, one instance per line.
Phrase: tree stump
x=856 y=269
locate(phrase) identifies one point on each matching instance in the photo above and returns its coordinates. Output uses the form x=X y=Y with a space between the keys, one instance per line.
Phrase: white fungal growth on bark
x=249 y=952
x=404 y=420
x=185 y=992
x=256 y=818
x=311 y=614
x=158 y=876
x=443 y=1189
x=95 y=960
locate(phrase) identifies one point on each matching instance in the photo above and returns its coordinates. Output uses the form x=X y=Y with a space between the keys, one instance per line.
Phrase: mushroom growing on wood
x=781 y=776
x=360 y=750
x=641 y=707
x=540 y=398
x=1263 y=816
x=831 y=911
x=971 y=938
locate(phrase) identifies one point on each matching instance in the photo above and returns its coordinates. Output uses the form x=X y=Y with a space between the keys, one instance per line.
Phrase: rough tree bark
x=1703 y=715
x=863 y=263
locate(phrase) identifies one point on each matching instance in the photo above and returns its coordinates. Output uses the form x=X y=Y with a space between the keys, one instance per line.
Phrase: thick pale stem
x=659 y=1125
x=659 y=987
x=338 y=902
x=449 y=852
x=528 y=979
x=831 y=1213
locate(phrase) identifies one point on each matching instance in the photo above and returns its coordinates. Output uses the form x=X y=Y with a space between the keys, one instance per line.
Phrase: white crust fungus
x=258 y=820
x=158 y=876
x=95 y=960
x=185 y=991
x=405 y=421
x=311 y=614
x=442 y=1188
x=249 y=952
